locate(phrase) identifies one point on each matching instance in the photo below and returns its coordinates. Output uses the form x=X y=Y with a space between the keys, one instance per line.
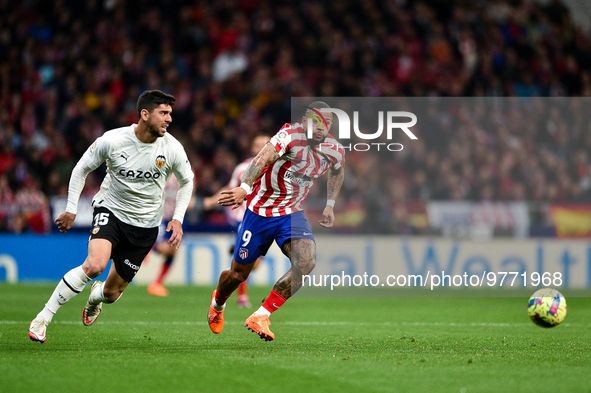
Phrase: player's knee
x=93 y=266
x=303 y=256
x=238 y=275
x=308 y=266
x=165 y=249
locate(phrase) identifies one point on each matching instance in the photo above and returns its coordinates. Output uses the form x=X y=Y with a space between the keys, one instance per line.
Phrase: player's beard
x=314 y=142
x=154 y=130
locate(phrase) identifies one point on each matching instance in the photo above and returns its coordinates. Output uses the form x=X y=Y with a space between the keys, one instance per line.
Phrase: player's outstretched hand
x=233 y=197
x=65 y=221
x=327 y=217
x=177 y=233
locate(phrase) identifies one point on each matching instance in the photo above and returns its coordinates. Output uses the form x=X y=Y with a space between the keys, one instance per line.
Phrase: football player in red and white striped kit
x=275 y=185
x=234 y=216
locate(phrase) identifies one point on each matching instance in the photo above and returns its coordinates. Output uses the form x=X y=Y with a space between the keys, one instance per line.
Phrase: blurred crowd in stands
x=71 y=70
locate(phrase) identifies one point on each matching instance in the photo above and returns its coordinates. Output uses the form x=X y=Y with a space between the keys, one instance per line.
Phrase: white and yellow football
x=547 y=307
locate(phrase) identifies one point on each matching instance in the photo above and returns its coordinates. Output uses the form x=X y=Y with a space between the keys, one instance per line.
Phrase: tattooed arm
x=266 y=157
x=234 y=197
x=335 y=181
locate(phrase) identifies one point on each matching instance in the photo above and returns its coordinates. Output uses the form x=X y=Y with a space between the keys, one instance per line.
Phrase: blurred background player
x=275 y=185
x=162 y=248
x=234 y=216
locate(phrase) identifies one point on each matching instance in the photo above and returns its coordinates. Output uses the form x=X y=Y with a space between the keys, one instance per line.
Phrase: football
x=547 y=307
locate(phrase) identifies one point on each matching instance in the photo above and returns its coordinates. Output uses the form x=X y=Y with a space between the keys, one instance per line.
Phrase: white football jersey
x=137 y=172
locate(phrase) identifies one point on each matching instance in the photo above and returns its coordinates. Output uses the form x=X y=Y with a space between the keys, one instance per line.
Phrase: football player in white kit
x=127 y=209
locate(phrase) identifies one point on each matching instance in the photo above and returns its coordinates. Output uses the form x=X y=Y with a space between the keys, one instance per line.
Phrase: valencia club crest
x=160 y=161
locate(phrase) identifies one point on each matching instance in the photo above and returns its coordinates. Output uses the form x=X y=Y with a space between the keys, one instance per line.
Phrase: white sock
x=262 y=311
x=97 y=295
x=216 y=306
x=71 y=285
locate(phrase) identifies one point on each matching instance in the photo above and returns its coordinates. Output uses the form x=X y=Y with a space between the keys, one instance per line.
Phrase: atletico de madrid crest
x=243 y=252
x=160 y=161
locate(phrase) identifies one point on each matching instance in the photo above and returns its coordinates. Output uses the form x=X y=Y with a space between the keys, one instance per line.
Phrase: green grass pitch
x=148 y=344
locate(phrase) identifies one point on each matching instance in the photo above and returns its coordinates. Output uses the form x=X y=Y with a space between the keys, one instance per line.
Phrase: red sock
x=219 y=299
x=273 y=302
x=163 y=272
x=242 y=289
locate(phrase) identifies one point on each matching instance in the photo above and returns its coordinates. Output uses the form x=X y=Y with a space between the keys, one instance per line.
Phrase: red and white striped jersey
x=283 y=186
x=235 y=216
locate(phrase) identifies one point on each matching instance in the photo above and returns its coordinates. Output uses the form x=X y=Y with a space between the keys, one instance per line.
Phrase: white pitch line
x=303 y=323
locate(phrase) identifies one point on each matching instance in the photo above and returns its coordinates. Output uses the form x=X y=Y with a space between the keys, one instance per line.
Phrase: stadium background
x=513 y=197
x=71 y=70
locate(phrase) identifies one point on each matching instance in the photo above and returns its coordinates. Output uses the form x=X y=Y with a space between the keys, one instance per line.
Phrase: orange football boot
x=157 y=289
x=215 y=317
x=260 y=325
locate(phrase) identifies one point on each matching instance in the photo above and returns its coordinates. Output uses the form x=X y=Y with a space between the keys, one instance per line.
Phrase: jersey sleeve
x=184 y=174
x=97 y=153
x=282 y=141
x=338 y=159
x=334 y=151
x=94 y=156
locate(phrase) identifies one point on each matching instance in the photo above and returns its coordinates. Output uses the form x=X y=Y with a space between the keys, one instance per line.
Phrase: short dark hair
x=152 y=99
x=318 y=105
